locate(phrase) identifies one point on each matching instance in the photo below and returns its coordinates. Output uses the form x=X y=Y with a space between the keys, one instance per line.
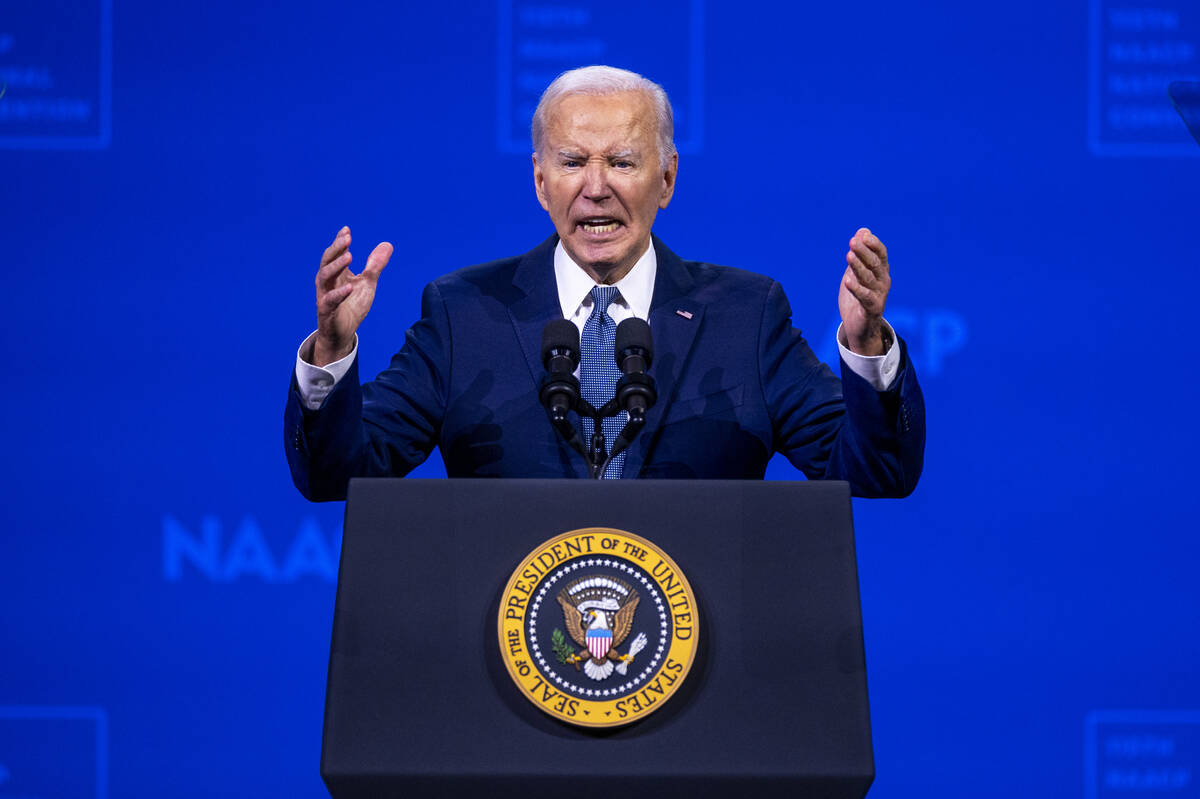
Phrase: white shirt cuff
x=878 y=370
x=315 y=382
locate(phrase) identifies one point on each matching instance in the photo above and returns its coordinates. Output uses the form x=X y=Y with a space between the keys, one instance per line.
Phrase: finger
x=330 y=300
x=865 y=275
x=340 y=242
x=328 y=274
x=872 y=242
x=875 y=275
x=869 y=257
x=860 y=292
x=867 y=298
x=377 y=260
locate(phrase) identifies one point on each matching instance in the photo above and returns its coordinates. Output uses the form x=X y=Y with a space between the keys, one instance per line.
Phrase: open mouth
x=599 y=224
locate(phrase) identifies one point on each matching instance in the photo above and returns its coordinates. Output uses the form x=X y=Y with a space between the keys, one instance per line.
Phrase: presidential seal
x=598 y=627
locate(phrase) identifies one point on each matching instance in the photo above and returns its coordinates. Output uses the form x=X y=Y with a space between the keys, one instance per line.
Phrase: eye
x=621 y=163
x=572 y=163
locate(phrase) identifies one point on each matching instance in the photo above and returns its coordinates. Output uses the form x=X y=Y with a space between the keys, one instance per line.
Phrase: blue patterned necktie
x=598 y=372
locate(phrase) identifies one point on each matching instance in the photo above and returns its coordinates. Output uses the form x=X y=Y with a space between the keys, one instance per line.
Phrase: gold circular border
x=534 y=678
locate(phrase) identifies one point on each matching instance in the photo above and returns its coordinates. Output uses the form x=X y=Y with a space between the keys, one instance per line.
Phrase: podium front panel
x=419 y=701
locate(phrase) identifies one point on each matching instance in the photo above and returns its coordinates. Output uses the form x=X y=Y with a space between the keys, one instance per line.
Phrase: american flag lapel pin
x=683 y=313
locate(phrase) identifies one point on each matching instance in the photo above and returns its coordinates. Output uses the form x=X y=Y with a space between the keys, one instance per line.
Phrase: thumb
x=377 y=260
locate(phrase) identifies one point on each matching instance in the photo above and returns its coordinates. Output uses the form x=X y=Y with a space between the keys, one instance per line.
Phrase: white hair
x=598 y=81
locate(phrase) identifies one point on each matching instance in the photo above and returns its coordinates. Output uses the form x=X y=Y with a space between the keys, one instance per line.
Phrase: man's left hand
x=864 y=292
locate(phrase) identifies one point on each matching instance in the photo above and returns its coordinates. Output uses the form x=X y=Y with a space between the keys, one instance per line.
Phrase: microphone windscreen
x=634 y=334
x=560 y=335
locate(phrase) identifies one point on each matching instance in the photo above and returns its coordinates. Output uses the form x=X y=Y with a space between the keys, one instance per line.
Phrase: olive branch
x=558 y=642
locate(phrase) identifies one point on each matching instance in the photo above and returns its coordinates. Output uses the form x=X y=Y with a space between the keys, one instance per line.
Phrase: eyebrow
x=579 y=156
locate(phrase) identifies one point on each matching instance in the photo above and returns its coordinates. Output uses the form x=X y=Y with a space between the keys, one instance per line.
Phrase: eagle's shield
x=599 y=642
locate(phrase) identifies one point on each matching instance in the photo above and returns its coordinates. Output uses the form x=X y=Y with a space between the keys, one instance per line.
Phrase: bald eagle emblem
x=598 y=612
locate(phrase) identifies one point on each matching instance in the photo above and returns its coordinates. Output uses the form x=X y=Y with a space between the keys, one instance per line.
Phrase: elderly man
x=736 y=382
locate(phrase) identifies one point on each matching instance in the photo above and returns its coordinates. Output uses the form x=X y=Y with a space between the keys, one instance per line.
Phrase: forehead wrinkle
x=609 y=139
x=586 y=124
x=626 y=137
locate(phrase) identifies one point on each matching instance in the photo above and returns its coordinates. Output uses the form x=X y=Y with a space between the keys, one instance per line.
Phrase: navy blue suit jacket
x=736 y=383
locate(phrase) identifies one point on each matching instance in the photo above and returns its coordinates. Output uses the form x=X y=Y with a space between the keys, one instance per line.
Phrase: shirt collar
x=574 y=284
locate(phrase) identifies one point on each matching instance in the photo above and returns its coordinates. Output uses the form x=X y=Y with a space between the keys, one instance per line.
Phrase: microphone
x=635 y=390
x=634 y=351
x=560 y=356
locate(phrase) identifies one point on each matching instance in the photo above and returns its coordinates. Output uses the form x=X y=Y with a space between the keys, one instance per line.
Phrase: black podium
x=419 y=702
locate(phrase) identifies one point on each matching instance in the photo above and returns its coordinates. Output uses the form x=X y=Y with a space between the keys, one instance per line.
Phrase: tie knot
x=602 y=296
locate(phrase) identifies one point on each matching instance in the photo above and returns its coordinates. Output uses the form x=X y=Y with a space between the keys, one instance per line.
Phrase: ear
x=539 y=183
x=669 y=181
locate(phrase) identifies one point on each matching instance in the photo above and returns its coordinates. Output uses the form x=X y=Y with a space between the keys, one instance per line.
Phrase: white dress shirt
x=635 y=292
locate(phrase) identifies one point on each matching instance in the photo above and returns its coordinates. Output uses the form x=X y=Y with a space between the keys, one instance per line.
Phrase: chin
x=602 y=258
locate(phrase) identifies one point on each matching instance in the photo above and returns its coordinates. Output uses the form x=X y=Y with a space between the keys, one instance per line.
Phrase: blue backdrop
x=169 y=176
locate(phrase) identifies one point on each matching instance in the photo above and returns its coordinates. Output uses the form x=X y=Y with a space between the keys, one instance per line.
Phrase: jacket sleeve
x=839 y=429
x=385 y=428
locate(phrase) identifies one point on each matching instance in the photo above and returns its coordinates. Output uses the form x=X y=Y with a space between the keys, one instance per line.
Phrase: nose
x=595 y=180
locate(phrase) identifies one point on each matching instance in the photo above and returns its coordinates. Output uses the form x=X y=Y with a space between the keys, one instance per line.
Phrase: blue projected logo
x=58 y=77
x=538 y=41
x=1136 y=49
x=246 y=554
x=54 y=751
x=932 y=335
x=1141 y=754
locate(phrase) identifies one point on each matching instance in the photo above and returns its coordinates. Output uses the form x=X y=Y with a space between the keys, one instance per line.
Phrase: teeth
x=592 y=227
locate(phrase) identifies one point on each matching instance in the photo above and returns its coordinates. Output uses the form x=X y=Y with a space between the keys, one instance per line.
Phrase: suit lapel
x=673 y=330
x=674 y=321
x=538 y=304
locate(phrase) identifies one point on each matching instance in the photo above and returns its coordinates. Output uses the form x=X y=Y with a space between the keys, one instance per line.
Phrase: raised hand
x=863 y=293
x=343 y=298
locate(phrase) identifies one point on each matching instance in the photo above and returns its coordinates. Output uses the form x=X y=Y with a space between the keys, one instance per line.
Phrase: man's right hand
x=343 y=298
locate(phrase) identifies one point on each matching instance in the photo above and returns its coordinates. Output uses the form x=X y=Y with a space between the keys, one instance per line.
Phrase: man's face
x=601 y=181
